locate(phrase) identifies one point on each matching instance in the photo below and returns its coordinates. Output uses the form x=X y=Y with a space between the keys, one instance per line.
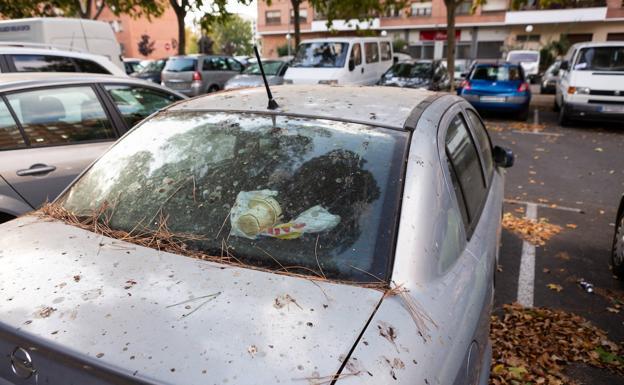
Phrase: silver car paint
x=116 y=301
x=183 y=81
x=458 y=299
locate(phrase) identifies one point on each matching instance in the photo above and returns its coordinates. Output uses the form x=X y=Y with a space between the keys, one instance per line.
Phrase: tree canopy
x=85 y=9
x=233 y=36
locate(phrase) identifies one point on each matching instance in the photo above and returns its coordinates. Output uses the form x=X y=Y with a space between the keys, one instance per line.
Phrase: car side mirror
x=565 y=65
x=351 y=64
x=503 y=157
x=463 y=75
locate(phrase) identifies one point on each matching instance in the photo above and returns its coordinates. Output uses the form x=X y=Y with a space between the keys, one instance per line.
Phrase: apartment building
x=487 y=33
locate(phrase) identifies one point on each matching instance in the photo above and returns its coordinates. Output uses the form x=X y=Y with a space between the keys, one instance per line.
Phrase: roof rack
x=39 y=45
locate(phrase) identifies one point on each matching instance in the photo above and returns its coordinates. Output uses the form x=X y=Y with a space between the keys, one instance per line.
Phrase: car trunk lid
x=487 y=87
x=115 y=307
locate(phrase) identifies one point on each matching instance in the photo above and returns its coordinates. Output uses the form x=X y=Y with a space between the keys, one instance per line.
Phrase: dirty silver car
x=348 y=236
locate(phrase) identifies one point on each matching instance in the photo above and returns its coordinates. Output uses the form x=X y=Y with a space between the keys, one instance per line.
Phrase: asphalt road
x=574 y=176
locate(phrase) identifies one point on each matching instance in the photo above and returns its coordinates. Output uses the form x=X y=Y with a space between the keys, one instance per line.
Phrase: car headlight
x=330 y=82
x=578 y=90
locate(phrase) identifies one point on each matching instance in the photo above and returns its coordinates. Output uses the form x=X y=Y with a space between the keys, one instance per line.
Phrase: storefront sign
x=437 y=35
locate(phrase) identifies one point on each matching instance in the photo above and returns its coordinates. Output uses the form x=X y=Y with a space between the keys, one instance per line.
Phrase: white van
x=96 y=37
x=529 y=60
x=591 y=82
x=340 y=60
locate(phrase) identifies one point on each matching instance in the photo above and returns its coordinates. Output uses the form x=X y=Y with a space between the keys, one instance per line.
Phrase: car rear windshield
x=600 y=59
x=181 y=64
x=315 y=197
x=321 y=54
x=271 y=68
x=497 y=73
x=410 y=70
x=519 y=57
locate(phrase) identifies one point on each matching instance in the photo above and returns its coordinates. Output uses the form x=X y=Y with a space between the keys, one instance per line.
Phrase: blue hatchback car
x=497 y=88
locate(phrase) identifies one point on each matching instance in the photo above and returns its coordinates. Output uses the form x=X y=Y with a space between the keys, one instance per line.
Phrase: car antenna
x=272 y=103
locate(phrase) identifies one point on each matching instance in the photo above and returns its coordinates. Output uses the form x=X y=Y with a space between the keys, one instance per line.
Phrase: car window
x=181 y=64
x=372 y=52
x=61 y=115
x=484 y=143
x=497 y=73
x=465 y=164
x=136 y=103
x=10 y=135
x=43 y=63
x=386 y=50
x=214 y=64
x=271 y=192
x=356 y=54
x=90 y=66
x=234 y=65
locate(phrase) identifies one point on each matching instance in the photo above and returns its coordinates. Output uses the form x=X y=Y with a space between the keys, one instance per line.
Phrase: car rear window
x=43 y=63
x=181 y=64
x=497 y=73
x=313 y=197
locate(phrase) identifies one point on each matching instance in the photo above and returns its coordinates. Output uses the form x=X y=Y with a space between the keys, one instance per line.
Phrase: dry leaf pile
x=521 y=126
x=535 y=232
x=533 y=346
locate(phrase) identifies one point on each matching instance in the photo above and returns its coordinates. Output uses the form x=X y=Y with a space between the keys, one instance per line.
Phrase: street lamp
x=384 y=33
x=288 y=42
x=528 y=28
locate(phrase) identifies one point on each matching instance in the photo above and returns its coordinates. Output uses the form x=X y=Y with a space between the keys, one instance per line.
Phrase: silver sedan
x=348 y=236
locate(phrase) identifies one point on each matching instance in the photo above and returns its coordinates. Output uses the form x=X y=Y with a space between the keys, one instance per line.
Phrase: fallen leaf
x=555 y=287
x=536 y=232
x=571 y=226
x=545 y=270
x=613 y=310
x=598 y=149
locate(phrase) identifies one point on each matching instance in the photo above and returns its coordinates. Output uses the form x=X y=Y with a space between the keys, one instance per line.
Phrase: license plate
x=177 y=86
x=613 y=108
x=493 y=99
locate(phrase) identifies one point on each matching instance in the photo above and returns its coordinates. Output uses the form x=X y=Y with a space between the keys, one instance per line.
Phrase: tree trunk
x=99 y=9
x=180 y=11
x=295 y=5
x=84 y=13
x=450 y=35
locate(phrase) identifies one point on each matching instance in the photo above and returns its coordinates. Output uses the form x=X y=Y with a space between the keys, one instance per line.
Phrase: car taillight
x=524 y=87
x=197 y=76
x=465 y=85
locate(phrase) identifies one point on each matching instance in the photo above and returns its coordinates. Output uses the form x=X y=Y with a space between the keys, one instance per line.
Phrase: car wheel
x=213 y=88
x=617 y=253
x=564 y=118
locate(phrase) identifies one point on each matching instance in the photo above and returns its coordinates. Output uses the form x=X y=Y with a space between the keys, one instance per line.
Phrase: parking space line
x=526 y=278
x=546 y=206
x=537 y=133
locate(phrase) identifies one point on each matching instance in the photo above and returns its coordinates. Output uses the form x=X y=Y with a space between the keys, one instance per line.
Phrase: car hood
x=240 y=81
x=416 y=82
x=129 y=308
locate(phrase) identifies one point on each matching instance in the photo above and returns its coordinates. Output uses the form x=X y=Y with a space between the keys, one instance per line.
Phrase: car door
x=469 y=174
x=65 y=129
x=215 y=72
x=234 y=68
x=355 y=76
x=135 y=103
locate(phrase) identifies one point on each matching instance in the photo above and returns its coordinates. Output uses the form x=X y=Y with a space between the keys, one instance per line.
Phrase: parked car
x=151 y=71
x=461 y=69
x=18 y=57
x=591 y=85
x=276 y=236
x=340 y=60
x=194 y=75
x=252 y=77
x=529 y=60
x=617 y=249
x=550 y=78
x=426 y=74
x=84 y=35
x=497 y=88
x=52 y=126
x=132 y=65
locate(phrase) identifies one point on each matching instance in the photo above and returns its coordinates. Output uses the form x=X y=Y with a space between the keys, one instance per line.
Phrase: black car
x=617 y=251
x=151 y=71
x=428 y=74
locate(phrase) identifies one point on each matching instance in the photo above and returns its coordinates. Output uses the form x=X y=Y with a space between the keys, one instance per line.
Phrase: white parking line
x=526 y=278
x=545 y=205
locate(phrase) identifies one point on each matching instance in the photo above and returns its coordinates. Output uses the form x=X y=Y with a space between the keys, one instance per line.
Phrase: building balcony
x=537 y=5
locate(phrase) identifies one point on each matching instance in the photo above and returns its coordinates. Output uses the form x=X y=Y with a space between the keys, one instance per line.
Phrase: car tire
x=564 y=117
x=617 y=252
x=213 y=88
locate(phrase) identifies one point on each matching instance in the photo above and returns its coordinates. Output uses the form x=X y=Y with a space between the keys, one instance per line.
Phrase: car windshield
x=496 y=73
x=271 y=68
x=518 y=57
x=323 y=54
x=600 y=59
x=181 y=64
x=153 y=66
x=315 y=197
x=410 y=70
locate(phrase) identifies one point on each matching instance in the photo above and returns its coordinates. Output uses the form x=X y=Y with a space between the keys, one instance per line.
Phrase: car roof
x=598 y=44
x=379 y=106
x=21 y=80
x=346 y=39
x=8 y=48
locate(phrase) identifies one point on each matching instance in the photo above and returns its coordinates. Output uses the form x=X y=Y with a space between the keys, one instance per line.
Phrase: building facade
x=162 y=31
x=487 y=33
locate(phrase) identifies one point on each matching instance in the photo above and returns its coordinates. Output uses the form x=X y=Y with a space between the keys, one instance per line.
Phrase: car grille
x=606 y=93
x=606 y=101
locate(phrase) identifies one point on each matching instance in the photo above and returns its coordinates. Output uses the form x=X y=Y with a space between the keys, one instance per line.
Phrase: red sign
x=167 y=46
x=437 y=35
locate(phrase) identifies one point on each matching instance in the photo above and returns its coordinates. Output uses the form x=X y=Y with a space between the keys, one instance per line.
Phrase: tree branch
x=99 y=9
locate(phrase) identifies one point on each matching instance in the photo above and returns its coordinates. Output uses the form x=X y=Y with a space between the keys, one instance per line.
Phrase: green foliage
x=232 y=36
x=282 y=50
x=86 y=9
x=399 y=45
x=192 y=41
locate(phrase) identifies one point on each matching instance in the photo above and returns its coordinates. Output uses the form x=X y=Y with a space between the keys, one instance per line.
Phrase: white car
x=591 y=84
x=25 y=57
x=529 y=60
